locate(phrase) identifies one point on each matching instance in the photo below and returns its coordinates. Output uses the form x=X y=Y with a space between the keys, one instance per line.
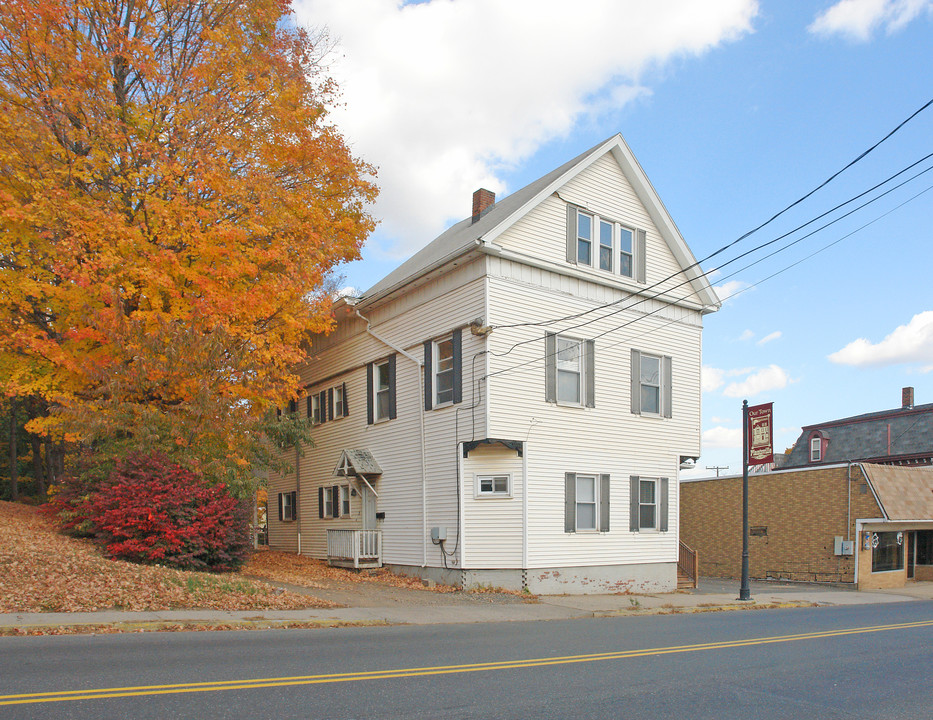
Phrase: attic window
x=605 y=244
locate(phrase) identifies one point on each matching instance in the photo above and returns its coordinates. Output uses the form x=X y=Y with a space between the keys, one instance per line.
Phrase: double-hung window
x=288 y=503
x=570 y=369
x=339 y=404
x=648 y=504
x=329 y=502
x=586 y=502
x=443 y=373
x=605 y=244
x=315 y=409
x=816 y=449
x=651 y=384
x=344 y=499
x=380 y=384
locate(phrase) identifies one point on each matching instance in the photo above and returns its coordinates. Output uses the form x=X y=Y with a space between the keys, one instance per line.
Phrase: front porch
x=354 y=548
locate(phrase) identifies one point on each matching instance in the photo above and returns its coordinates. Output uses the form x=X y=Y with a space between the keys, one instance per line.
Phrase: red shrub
x=152 y=510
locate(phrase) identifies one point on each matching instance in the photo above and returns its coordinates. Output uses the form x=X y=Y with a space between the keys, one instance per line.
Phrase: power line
x=759 y=227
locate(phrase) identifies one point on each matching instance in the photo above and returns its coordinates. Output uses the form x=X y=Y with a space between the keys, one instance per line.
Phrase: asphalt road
x=839 y=662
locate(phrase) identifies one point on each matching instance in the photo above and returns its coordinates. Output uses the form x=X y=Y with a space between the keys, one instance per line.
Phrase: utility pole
x=745 y=591
x=717 y=468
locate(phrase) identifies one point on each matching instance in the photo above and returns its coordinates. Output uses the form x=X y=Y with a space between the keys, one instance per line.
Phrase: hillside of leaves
x=44 y=571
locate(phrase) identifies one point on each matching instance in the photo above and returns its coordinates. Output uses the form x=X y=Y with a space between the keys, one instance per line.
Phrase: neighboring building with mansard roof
x=903 y=436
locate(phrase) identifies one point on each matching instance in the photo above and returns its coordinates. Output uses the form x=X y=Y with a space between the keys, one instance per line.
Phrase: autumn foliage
x=173 y=199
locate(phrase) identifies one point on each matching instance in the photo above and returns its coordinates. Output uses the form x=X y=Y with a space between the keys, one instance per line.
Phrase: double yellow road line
x=252 y=684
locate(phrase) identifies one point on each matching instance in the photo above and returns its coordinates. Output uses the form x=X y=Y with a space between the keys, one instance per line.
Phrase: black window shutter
x=281 y=506
x=428 y=374
x=330 y=403
x=640 y=255
x=589 y=351
x=322 y=403
x=604 y=503
x=570 y=502
x=636 y=382
x=550 y=367
x=320 y=502
x=666 y=386
x=633 y=503
x=571 y=234
x=346 y=407
x=662 y=505
x=392 y=387
x=336 y=500
x=294 y=494
x=369 y=394
x=457 y=342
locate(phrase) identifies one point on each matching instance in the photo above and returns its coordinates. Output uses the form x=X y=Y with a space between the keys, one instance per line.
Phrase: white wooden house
x=512 y=405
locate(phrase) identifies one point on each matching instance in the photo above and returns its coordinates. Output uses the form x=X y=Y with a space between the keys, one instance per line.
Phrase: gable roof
x=466 y=235
x=905 y=493
x=901 y=434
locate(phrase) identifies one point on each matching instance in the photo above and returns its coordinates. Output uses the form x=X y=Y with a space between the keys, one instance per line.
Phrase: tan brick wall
x=802 y=511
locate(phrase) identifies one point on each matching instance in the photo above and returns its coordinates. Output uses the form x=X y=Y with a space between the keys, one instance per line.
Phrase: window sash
x=382 y=391
x=338 y=402
x=493 y=484
x=584 y=238
x=569 y=370
x=605 y=245
x=586 y=502
x=316 y=409
x=650 y=381
x=444 y=371
x=816 y=449
x=344 y=499
x=647 y=505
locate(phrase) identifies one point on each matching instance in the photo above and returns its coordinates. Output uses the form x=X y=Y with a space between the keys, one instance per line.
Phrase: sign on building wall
x=760 y=434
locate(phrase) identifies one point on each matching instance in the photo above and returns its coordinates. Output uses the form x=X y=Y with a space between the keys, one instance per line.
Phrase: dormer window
x=816 y=448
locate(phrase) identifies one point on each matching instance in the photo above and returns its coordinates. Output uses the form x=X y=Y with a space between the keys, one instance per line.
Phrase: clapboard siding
x=449 y=302
x=493 y=528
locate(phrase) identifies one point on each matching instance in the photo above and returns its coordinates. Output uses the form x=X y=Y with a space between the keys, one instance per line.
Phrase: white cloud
x=729 y=290
x=746 y=335
x=858 y=19
x=772 y=377
x=771 y=336
x=910 y=343
x=443 y=96
x=711 y=378
x=722 y=437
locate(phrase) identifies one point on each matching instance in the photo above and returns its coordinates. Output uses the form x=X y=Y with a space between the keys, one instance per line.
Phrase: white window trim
x=329 y=500
x=816 y=444
x=289 y=511
x=581 y=361
x=595 y=241
x=595 y=503
x=343 y=403
x=344 y=497
x=435 y=361
x=377 y=418
x=316 y=408
x=656 y=504
x=479 y=494
x=660 y=386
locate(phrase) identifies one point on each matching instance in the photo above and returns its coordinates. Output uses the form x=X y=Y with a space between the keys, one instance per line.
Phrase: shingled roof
x=903 y=436
x=904 y=493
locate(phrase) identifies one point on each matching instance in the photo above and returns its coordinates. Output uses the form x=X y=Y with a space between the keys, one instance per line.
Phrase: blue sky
x=734 y=108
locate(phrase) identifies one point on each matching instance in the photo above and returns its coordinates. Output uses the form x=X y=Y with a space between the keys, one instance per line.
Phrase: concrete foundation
x=598 y=580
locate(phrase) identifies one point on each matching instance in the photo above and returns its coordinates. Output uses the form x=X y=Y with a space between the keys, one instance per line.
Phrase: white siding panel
x=493 y=525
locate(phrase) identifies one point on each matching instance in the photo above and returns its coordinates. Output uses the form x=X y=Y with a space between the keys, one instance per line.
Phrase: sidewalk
x=713 y=595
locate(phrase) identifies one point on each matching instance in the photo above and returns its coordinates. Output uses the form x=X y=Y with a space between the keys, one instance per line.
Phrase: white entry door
x=369 y=507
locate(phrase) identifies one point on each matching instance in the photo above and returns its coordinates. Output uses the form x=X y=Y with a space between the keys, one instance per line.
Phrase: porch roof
x=357 y=463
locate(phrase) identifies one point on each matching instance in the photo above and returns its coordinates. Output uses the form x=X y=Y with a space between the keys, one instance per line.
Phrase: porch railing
x=688 y=563
x=354 y=548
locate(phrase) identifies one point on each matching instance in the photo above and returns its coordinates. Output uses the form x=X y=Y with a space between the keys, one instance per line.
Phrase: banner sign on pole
x=760 y=435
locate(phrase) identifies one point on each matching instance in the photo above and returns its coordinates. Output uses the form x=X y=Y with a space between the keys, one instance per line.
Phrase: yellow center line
x=249 y=684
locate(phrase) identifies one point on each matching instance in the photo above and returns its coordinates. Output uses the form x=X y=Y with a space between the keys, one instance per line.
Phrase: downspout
x=849 y=494
x=298 y=488
x=424 y=489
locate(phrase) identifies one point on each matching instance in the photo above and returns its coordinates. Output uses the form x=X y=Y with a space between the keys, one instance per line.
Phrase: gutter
x=424 y=488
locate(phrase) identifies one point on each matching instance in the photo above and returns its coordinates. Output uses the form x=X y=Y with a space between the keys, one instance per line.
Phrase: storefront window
x=887 y=551
x=925 y=547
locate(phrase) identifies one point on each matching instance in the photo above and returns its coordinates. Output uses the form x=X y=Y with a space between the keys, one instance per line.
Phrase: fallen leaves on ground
x=308 y=572
x=42 y=570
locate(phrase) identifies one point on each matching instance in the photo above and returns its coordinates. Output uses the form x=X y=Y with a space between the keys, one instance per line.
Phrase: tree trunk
x=38 y=467
x=14 y=460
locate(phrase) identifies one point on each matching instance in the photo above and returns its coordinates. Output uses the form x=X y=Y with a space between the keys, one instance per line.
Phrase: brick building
x=850 y=522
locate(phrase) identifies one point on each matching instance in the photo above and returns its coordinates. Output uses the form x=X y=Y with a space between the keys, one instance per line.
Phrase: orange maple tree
x=173 y=200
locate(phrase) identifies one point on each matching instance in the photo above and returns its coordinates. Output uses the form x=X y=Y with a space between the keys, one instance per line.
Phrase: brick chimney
x=907 y=397
x=482 y=200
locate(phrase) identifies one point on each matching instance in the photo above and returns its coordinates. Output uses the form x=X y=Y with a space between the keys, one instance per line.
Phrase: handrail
x=688 y=563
